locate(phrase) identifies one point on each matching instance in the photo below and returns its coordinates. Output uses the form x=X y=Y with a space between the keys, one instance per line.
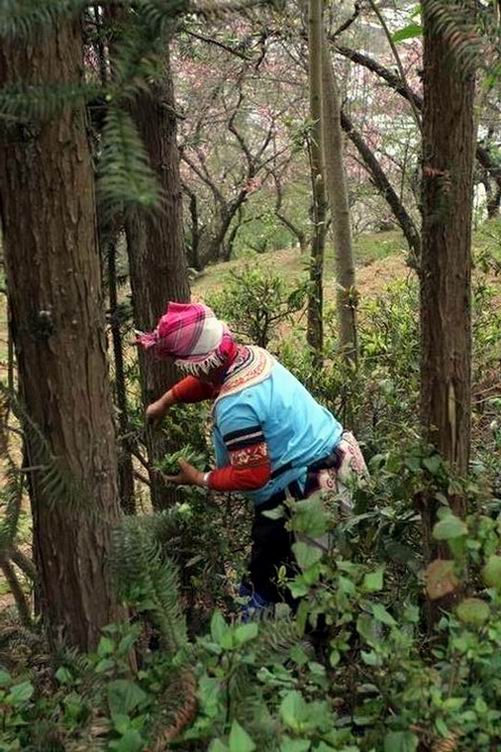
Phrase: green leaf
x=240 y=740
x=5 y=678
x=491 y=572
x=400 y=741
x=293 y=710
x=217 y=745
x=382 y=615
x=63 y=675
x=473 y=611
x=294 y=745
x=306 y=555
x=218 y=627
x=373 y=582
x=20 y=693
x=246 y=632
x=310 y=517
x=131 y=741
x=449 y=527
x=124 y=696
x=105 y=647
x=432 y=464
x=411 y=31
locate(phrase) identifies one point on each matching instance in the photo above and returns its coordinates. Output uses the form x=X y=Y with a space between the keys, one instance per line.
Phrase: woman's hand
x=155 y=412
x=188 y=476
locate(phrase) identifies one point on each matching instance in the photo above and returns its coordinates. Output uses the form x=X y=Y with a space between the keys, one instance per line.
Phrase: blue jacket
x=275 y=407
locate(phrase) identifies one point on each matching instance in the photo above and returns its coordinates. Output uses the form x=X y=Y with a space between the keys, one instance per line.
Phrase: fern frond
x=42 y=102
x=11 y=498
x=147 y=579
x=23 y=18
x=455 y=22
x=56 y=483
x=126 y=179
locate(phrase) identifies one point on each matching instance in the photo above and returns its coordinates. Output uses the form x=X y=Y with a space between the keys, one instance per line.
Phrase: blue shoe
x=256 y=606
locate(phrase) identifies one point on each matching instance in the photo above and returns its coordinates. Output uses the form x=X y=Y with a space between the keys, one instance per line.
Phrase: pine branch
x=23 y=18
x=126 y=179
x=23 y=103
x=455 y=21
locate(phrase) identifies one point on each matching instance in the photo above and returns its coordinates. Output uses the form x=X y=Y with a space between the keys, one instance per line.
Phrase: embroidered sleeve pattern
x=249 y=467
x=247 y=447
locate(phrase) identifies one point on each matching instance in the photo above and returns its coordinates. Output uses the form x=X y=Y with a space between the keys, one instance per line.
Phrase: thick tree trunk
x=337 y=191
x=157 y=262
x=448 y=148
x=50 y=243
x=314 y=334
x=384 y=187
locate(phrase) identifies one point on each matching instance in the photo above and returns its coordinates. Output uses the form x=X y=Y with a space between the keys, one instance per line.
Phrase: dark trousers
x=272 y=549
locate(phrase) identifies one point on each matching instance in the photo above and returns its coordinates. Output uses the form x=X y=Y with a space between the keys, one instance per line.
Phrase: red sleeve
x=232 y=478
x=249 y=467
x=191 y=389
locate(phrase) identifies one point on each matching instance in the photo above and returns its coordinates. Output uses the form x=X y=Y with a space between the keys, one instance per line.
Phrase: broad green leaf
x=491 y=573
x=105 y=647
x=432 y=464
x=306 y=555
x=246 y=632
x=449 y=527
x=20 y=693
x=411 y=31
x=373 y=582
x=382 y=615
x=293 y=710
x=217 y=745
x=5 y=678
x=63 y=675
x=131 y=741
x=218 y=627
x=400 y=741
x=294 y=745
x=310 y=517
x=240 y=740
x=124 y=696
x=473 y=611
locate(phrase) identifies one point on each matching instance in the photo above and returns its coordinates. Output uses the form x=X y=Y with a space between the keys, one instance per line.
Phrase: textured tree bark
x=384 y=186
x=157 y=261
x=337 y=191
x=448 y=153
x=49 y=223
x=314 y=332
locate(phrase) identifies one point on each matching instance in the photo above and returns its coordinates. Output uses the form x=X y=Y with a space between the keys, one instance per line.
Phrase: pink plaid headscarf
x=191 y=333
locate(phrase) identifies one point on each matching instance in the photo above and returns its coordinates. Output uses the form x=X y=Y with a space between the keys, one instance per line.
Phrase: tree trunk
x=53 y=275
x=448 y=149
x=337 y=191
x=125 y=467
x=157 y=262
x=384 y=187
x=315 y=299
